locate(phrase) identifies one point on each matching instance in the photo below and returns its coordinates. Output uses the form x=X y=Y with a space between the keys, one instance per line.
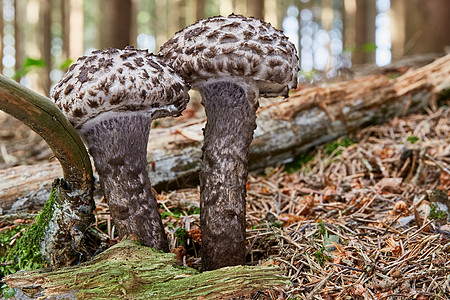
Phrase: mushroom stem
x=231 y=114
x=119 y=148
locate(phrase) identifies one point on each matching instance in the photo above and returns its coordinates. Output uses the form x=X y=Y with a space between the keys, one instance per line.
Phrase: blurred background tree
x=39 y=38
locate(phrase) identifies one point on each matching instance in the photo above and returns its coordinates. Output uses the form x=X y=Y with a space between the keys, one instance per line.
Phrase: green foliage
x=29 y=64
x=302 y=159
x=321 y=256
x=177 y=213
x=33 y=64
x=369 y=47
x=25 y=254
x=308 y=75
x=339 y=143
x=7 y=292
x=436 y=213
x=322 y=229
x=299 y=161
x=412 y=139
x=181 y=234
x=6 y=237
x=66 y=64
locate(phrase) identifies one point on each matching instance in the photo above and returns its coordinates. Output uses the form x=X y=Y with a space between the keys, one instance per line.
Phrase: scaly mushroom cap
x=115 y=81
x=234 y=46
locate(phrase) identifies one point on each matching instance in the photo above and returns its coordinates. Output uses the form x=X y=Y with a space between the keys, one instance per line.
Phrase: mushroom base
x=119 y=148
x=231 y=115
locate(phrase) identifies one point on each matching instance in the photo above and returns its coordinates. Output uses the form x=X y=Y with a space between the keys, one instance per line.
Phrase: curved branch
x=45 y=118
x=59 y=228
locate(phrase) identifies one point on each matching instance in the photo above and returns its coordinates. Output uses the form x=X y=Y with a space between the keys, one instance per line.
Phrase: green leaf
x=7 y=292
x=31 y=62
x=369 y=47
x=66 y=64
x=412 y=139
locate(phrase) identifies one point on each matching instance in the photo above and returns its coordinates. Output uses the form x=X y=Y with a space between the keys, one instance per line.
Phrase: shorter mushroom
x=232 y=61
x=111 y=96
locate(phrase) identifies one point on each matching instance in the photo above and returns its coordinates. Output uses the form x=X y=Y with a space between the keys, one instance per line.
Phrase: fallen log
x=130 y=271
x=286 y=127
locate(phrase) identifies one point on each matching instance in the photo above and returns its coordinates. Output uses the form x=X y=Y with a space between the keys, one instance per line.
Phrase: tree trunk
x=427 y=26
x=309 y=117
x=46 y=14
x=116 y=26
x=19 y=18
x=364 y=32
x=199 y=9
x=255 y=8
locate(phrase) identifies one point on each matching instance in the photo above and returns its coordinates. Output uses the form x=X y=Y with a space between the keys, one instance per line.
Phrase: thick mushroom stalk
x=231 y=113
x=111 y=97
x=231 y=61
x=119 y=148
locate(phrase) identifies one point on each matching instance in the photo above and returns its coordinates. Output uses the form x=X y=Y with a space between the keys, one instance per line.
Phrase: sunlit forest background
x=40 y=38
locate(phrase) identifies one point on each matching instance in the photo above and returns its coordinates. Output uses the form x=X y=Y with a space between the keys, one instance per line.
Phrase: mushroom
x=110 y=97
x=231 y=61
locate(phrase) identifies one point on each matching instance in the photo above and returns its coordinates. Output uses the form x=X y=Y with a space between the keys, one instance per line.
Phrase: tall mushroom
x=231 y=61
x=111 y=96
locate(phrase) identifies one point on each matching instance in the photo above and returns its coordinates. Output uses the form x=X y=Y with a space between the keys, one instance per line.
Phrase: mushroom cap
x=234 y=46
x=112 y=81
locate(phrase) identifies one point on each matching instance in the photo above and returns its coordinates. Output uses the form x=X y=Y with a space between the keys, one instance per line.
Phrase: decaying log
x=129 y=271
x=286 y=127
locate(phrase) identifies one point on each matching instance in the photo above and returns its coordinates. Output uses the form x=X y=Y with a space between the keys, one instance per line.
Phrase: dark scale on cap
x=129 y=65
x=112 y=80
x=92 y=103
x=68 y=89
x=78 y=113
x=139 y=61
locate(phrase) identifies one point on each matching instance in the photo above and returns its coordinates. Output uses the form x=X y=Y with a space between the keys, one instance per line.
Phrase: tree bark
x=427 y=24
x=285 y=128
x=115 y=30
x=46 y=15
x=255 y=8
x=71 y=201
x=364 y=32
x=129 y=271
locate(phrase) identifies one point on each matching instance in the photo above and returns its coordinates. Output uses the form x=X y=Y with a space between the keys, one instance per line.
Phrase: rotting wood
x=130 y=271
x=286 y=127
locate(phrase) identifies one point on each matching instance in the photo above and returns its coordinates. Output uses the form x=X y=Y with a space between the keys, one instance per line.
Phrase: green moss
x=321 y=256
x=436 y=213
x=136 y=272
x=339 y=143
x=25 y=254
x=299 y=161
x=412 y=139
x=6 y=236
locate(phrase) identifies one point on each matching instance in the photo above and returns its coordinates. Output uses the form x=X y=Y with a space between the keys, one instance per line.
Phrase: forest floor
x=364 y=217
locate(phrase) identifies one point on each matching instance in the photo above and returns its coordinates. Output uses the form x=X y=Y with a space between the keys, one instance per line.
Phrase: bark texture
x=119 y=147
x=285 y=128
x=129 y=271
x=223 y=174
x=72 y=202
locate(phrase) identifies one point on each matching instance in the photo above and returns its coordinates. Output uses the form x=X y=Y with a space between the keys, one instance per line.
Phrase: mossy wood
x=308 y=117
x=130 y=271
x=71 y=199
